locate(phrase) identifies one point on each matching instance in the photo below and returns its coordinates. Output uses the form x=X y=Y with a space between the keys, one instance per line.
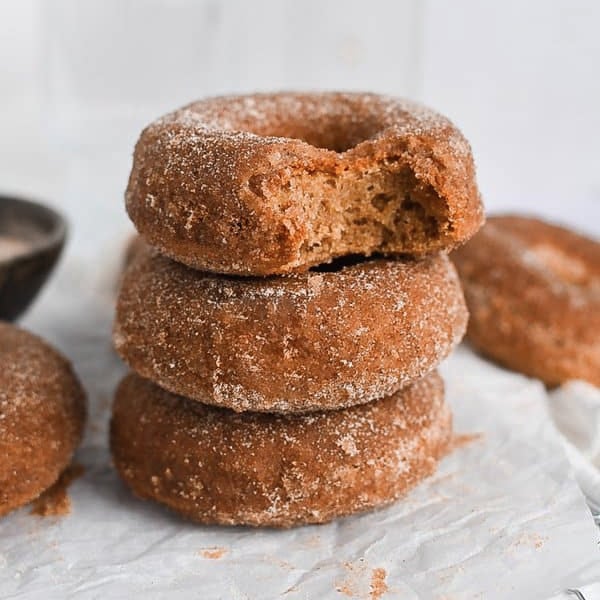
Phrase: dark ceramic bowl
x=31 y=240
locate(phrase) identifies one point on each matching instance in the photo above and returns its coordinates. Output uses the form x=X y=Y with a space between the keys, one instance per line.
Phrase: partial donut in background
x=533 y=293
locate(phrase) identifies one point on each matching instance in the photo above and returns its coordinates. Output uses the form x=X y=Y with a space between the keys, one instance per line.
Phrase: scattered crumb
x=463 y=439
x=530 y=539
x=283 y=564
x=344 y=589
x=378 y=584
x=355 y=584
x=314 y=541
x=55 y=500
x=213 y=553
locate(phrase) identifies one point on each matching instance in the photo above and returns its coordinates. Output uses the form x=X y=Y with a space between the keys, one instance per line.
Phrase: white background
x=79 y=79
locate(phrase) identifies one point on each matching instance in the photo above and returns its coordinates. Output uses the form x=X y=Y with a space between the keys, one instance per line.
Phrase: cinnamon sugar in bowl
x=31 y=240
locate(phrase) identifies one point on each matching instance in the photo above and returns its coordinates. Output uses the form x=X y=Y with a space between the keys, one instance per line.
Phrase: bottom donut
x=42 y=416
x=213 y=465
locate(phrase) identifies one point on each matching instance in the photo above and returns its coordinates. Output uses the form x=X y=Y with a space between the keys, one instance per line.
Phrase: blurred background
x=80 y=78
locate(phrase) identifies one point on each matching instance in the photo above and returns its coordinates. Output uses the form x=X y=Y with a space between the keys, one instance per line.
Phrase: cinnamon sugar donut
x=309 y=341
x=533 y=291
x=273 y=183
x=42 y=413
x=213 y=465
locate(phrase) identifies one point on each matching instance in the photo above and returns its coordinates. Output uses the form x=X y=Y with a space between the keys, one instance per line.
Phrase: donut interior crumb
x=382 y=209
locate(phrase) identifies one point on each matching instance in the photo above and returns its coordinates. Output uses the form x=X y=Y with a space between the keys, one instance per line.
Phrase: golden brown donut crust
x=213 y=465
x=533 y=291
x=273 y=183
x=307 y=341
x=42 y=414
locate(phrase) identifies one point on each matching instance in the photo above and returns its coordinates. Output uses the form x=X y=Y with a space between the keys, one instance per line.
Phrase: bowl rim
x=46 y=241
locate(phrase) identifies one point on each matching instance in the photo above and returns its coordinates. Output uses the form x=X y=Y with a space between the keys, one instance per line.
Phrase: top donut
x=275 y=183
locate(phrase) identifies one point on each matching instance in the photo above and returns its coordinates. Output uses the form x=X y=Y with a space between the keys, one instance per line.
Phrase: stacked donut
x=286 y=318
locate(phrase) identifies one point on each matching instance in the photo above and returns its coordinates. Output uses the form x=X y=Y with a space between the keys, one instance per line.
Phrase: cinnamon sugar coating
x=213 y=465
x=274 y=183
x=533 y=291
x=42 y=414
x=308 y=341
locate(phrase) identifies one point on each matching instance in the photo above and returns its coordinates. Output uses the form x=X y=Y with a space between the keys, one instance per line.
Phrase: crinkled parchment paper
x=502 y=518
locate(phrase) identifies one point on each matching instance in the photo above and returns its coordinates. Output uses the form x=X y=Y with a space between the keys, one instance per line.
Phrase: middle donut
x=336 y=336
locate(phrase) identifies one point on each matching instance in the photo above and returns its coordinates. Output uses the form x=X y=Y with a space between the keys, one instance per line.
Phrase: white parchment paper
x=502 y=518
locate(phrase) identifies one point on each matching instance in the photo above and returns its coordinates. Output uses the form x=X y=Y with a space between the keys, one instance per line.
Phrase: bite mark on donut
x=382 y=209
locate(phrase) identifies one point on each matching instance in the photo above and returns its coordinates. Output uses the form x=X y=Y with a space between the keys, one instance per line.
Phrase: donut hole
x=337 y=137
x=336 y=130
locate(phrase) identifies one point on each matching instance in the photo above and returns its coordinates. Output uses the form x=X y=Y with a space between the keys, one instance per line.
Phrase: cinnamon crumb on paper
x=378 y=583
x=464 y=439
x=213 y=553
x=55 y=501
x=358 y=584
